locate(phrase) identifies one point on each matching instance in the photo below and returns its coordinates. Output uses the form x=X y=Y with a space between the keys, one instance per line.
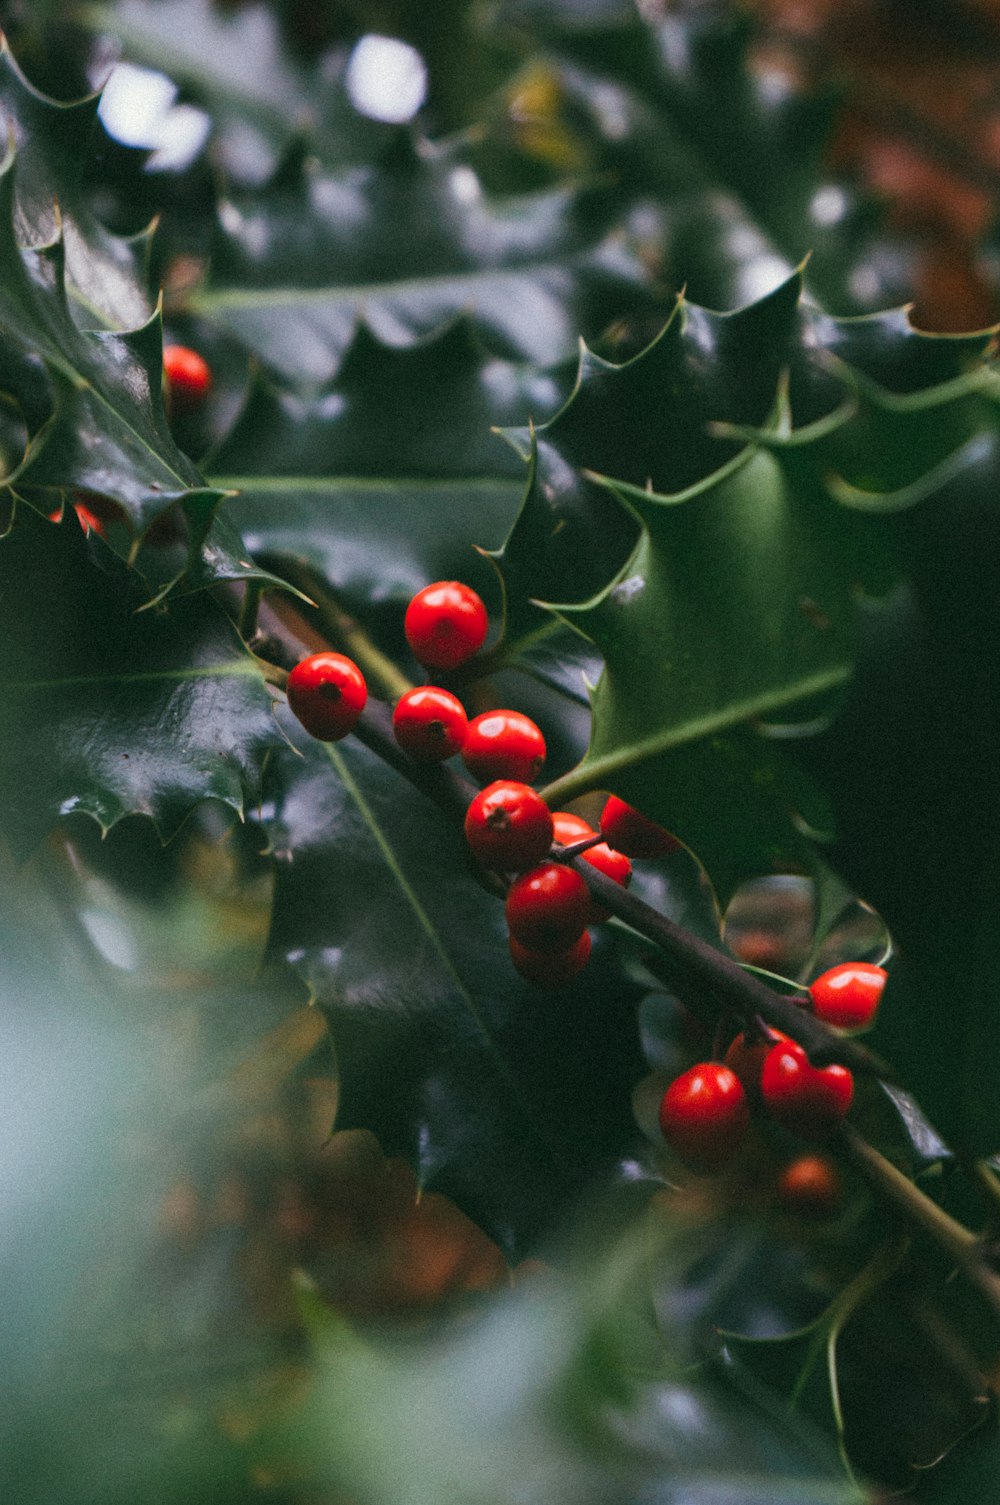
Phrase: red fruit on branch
x=848 y=996
x=628 y=831
x=746 y=1056
x=327 y=692
x=808 y=1100
x=704 y=1115
x=188 y=376
x=547 y=907
x=504 y=745
x=810 y=1185
x=551 y=969
x=569 y=828
x=430 y=724
x=508 y=827
x=445 y=624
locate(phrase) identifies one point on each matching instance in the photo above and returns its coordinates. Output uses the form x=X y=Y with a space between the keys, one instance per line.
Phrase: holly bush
x=308 y=1194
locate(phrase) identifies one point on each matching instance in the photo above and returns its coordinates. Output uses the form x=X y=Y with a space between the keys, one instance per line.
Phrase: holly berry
x=327 y=692
x=810 y=1185
x=547 y=907
x=188 y=376
x=568 y=828
x=849 y=995
x=746 y=1056
x=704 y=1115
x=430 y=724
x=508 y=827
x=806 y=1099
x=551 y=969
x=504 y=745
x=445 y=624
x=628 y=831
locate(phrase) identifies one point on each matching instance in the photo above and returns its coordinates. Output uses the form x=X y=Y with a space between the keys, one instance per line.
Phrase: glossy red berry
x=567 y=828
x=551 y=969
x=808 y=1100
x=746 y=1058
x=327 y=692
x=188 y=376
x=810 y=1186
x=704 y=1115
x=849 y=995
x=628 y=831
x=430 y=724
x=547 y=907
x=504 y=745
x=445 y=624
x=508 y=827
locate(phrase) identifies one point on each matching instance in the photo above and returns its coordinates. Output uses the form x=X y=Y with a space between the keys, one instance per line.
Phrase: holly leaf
x=647 y=422
x=112 y=711
x=389 y=476
x=444 y=1052
x=295 y=266
x=105 y=274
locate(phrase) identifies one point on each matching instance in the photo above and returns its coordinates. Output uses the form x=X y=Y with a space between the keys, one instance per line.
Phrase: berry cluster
x=508 y=826
x=705 y=1112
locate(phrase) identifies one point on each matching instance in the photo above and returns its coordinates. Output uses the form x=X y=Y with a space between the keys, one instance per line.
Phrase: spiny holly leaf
x=737 y=603
x=390 y=476
x=110 y=712
x=108 y=431
x=233 y=61
x=105 y=274
x=646 y=422
x=409 y=243
x=507 y=1098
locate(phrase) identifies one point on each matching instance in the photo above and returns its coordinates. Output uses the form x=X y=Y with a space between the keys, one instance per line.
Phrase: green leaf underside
x=110 y=713
x=444 y=1052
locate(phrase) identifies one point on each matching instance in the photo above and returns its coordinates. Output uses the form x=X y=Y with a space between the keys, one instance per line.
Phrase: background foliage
x=754 y=511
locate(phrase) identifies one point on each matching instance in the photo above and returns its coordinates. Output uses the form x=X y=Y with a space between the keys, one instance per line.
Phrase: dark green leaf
x=110 y=712
x=105 y=274
x=408 y=244
x=444 y=1052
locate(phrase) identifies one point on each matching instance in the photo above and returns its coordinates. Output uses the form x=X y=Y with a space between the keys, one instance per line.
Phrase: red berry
x=704 y=1115
x=445 y=624
x=551 y=969
x=547 y=907
x=746 y=1059
x=189 y=376
x=508 y=827
x=811 y=1185
x=504 y=745
x=430 y=724
x=89 y=509
x=327 y=692
x=567 y=828
x=848 y=996
x=806 y=1099
x=625 y=829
